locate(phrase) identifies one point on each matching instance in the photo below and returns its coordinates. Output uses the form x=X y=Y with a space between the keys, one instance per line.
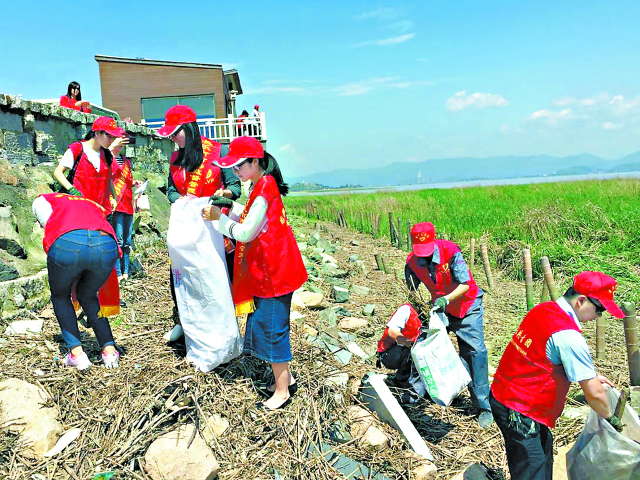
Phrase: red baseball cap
x=599 y=286
x=175 y=117
x=256 y=106
x=239 y=150
x=423 y=239
x=107 y=124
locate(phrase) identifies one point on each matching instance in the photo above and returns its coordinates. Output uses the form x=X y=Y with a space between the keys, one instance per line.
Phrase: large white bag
x=438 y=363
x=601 y=452
x=201 y=282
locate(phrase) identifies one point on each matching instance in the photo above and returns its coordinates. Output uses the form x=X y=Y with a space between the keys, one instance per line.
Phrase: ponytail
x=270 y=167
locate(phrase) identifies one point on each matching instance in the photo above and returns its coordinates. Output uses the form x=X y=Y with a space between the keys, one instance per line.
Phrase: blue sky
x=359 y=84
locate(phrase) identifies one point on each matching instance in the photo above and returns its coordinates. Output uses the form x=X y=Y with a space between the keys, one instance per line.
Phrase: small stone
x=302 y=246
x=363 y=428
x=360 y=290
x=23 y=410
x=341 y=311
x=339 y=432
x=340 y=294
x=354 y=258
x=368 y=310
x=309 y=331
x=355 y=243
x=361 y=267
x=168 y=457
x=328 y=317
x=217 y=425
x=352 y=323
x=312 y=241
x=24 y=327
x=331 y=270
x=295 y=316
x=425 y=471
x=311 y=299
x=328 y=258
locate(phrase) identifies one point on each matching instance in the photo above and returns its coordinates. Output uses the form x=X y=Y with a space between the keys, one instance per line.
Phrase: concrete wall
x=32 y=133
x=125 y=84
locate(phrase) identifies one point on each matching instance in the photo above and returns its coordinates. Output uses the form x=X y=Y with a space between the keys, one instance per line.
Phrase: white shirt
x=255 y=222
x=93 y=157
x=400 y=318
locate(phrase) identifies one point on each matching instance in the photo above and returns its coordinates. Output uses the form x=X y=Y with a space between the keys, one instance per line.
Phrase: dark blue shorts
x=267 y=333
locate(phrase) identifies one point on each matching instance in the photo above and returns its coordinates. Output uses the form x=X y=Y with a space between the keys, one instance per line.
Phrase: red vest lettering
x=444 y=283
x=526 y=381
x=273 y=257
x=206 y=179
x=72 y=213
x=93 y=184
x=411 y=330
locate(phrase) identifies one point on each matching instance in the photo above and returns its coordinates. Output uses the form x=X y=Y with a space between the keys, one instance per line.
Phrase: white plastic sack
x=438 y=363
x=142 y=202
x=602 y=453
x=201 y=282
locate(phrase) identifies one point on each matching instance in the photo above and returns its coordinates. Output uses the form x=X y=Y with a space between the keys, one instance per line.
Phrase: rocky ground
x=139 y=419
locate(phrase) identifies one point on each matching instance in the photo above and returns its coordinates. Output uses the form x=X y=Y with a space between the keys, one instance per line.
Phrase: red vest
x=73 y=213
x=93 y=185
x=444 y=283
x=526 y=381
x=123 y=183
x=411 y=330
x=68 y=102
x=273 y=257
x=206 y=179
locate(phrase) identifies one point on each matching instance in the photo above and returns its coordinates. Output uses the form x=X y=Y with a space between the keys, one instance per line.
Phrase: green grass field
x=588 y=225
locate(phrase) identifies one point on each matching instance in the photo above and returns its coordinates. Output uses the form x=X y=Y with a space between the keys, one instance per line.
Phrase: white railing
x=226 y=129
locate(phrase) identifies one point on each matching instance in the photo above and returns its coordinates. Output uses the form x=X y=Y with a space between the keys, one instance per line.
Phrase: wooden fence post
x=528 y=277
x=384 y=264
x=378 y=257
x=392 y=235
x=487 y=265
x=378 y=223
x=548 y=278
x=409 y=226
x=631 y=338
x=399 y=233
x=545 y=292
x=472 y=252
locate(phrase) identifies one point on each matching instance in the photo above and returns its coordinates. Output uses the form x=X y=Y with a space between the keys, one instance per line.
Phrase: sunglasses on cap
x=600 y=309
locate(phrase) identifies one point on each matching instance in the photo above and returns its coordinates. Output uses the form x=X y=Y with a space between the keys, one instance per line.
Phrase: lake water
x=477 y=183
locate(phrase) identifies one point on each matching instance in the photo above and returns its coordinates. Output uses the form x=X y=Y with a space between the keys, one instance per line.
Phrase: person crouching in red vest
x=440 y=266
x=545 y=355
x=394 y=352
x=268 y=265
x=81 y=250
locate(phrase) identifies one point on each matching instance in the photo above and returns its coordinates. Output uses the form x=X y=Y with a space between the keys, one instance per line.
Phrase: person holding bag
x=89 y=163
x=192 y=171
x=440 y=266
x=81 y=247
x=268 y=265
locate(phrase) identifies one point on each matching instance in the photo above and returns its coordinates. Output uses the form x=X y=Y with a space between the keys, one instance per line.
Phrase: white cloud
x=401 y=26
x=287 y=148
x=621 y=106
x=564 y=101
x=365 y=86
x=379 y=14
x=612 y=126
x=388 y=41
x=461 y=100
x=554 y=117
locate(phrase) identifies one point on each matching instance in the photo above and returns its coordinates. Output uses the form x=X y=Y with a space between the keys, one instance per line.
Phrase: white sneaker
x=79 y=362
x=111 y=360
x=174 y=334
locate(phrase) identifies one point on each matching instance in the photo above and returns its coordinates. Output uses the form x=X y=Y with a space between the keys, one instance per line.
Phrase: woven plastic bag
x=201 y=282
x=601 y=452
x=438 y=363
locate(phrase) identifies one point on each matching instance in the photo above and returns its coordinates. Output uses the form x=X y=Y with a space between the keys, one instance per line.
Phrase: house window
x=154 y=109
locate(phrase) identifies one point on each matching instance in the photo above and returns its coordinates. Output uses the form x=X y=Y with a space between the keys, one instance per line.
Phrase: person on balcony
x=192 y=170
x=73 y=99
x=242 y=127
x=255 y=121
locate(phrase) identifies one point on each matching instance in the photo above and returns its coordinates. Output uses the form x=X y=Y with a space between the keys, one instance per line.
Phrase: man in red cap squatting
x=544 y=356
x=440 y=266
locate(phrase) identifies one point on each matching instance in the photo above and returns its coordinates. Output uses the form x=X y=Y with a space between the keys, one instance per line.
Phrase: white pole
x=263 y=124
x=231 y=127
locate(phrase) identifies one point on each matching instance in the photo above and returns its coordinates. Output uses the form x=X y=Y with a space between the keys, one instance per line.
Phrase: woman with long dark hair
x=73 y=99
x=193 y=175
x=89 y=163
x=268 y=264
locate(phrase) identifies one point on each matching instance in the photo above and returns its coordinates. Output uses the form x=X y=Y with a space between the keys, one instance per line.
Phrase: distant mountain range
x=469 y=169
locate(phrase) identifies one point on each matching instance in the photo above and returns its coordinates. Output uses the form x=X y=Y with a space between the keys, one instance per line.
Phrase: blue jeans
x=123 y=225
x=87 y=256
x=267 y=332
x=473 y=352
